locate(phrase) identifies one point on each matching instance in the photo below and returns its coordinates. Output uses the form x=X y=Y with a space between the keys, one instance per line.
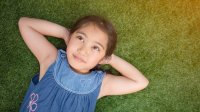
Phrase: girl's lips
x=79 y=59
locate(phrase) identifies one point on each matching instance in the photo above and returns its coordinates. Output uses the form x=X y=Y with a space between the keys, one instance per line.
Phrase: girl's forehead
x=90 y=27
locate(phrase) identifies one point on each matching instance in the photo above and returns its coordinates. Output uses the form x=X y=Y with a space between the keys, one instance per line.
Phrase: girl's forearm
x=127 y=70
x=46 y=28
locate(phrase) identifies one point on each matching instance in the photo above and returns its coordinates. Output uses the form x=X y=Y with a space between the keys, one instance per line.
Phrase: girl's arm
x=132 y=80
x=33 y=31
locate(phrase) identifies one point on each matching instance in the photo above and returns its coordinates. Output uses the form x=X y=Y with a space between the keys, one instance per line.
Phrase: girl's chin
x=77 y=70
x=76 y=67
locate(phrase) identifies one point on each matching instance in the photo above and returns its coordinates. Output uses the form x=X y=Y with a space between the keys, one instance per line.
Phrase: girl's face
x=86 y=48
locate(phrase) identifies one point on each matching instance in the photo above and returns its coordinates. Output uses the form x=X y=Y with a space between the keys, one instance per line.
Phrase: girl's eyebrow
x=99 y=44
x=87 y=37
x=82 y=33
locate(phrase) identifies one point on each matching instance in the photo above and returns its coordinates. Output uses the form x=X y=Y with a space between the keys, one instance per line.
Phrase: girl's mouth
x=78 y=59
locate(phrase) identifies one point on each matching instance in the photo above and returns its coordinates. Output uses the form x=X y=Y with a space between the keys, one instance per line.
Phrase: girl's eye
x=96 y=48
x=80 y=38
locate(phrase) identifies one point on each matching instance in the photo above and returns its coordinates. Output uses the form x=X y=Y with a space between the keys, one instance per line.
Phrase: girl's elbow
x=145 y=83
x=140 y=85
x=22 y=21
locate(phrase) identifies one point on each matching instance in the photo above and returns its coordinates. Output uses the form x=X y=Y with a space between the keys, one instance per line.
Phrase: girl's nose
x=83 y=50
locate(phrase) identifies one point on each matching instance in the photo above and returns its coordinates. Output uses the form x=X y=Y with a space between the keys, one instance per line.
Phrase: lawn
x=160 y=37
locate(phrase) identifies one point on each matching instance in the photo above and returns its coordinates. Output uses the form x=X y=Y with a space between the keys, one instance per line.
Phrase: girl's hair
x=103 y=25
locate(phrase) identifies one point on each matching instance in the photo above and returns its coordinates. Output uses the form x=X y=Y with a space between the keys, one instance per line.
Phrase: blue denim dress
x=63 y=90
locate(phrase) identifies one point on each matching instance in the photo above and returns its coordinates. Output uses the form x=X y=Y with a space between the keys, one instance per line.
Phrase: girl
x=66 y=80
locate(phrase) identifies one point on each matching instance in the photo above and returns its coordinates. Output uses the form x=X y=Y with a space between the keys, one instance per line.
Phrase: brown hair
x=103 y=25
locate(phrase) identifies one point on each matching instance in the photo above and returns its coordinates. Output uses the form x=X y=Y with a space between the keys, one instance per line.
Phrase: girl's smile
x=79 y=59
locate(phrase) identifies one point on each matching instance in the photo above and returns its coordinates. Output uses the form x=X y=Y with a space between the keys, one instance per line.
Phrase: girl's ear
x=105 y=60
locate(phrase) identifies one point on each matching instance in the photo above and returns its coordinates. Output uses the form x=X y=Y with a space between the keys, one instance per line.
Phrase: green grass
x=161 y=38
